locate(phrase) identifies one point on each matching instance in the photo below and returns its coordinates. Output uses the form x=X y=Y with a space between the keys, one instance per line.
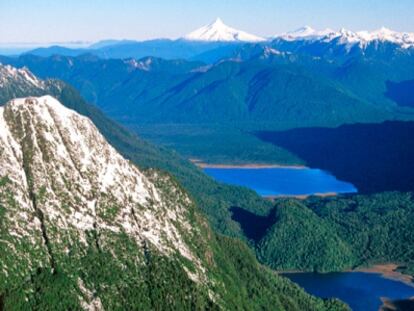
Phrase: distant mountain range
x=350 y=38
x=302 y=78
x=133 y=235
x=218 y=35
x=283 y=83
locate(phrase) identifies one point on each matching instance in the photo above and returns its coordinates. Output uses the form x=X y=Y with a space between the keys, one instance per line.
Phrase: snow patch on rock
x=81 y=183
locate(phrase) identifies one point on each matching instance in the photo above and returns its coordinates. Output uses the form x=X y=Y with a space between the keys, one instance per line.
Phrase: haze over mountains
x=141 y=225
x=219 y=35
x=282 y=82
x=297 y=79
x=301 y=78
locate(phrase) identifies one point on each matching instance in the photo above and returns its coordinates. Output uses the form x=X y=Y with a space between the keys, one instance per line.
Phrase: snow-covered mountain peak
x=218 y=31
x=346 y=32
x=61 y=168
x=302 y=31
x=9 y=74
x=218 y=22
x=346 y=36
x=385 y=30
x=387 y=35
x=305 y=32
x=350 y=38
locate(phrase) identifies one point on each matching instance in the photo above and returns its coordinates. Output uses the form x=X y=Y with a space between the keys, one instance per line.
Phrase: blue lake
x=282 y=181
x=361 y=291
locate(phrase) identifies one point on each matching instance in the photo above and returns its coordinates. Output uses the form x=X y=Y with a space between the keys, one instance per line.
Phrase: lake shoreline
x=302 y=196
x=388 y=304
x=388 y=271
x=373 y=287
x=273 y=182
x=202 y=164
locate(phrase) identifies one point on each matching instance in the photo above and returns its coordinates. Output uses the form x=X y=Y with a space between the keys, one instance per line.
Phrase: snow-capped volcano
x=218 y=31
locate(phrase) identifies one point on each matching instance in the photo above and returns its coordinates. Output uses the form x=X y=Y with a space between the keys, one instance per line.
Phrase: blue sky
x=91 y=20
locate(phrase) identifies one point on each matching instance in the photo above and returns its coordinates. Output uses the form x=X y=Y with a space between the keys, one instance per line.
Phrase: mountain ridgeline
x=218 y=40
x=81 y=200
x=221 y=89
x=300 y=79
x=69 y=199
x=83 y=228
x=308 y=76
x=262 y=89
x=212 y=198
x=215 y=199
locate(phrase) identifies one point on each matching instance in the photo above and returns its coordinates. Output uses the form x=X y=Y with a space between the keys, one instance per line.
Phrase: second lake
x=361 y=291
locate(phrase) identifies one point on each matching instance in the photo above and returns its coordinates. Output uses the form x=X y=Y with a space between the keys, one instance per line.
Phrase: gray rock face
x=63 y=183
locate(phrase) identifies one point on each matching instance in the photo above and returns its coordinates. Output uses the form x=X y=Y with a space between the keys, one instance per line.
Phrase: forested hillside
x=334 y=234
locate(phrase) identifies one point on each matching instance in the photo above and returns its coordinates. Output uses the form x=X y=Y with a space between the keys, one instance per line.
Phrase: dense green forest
x=216 y=199
x=210 y=111
x=125 y=278
x=316 y=234
x=213 y=198
x=215 y=143
x=277 y=90
x=333 y=234
x=161 y=284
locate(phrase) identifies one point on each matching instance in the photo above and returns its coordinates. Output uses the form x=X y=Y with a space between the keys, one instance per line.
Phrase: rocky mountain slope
x=73 y=191
x=86 y=229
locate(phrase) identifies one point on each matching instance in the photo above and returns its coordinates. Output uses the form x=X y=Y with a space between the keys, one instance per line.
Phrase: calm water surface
x=361 y=291
x=282 y=181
